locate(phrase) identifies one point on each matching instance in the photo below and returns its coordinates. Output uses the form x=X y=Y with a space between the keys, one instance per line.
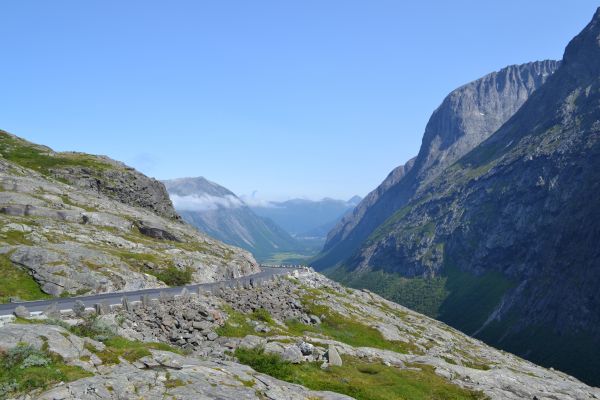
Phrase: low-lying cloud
x=205 y=202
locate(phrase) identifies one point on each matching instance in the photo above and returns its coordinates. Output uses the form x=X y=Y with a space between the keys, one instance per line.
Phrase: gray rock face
x=466 y=117
x=520 y=209
x=122 y=183
x=333 y=357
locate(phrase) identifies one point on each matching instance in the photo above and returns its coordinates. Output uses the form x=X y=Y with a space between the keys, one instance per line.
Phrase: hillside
x=299 y=337
x=508 y=234
x=105 y=227
x=466 y=117
x=219 y=213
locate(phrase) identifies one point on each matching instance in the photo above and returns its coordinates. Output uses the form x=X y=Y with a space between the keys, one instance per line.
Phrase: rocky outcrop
x=466 y=117
x=72 y=240
x=522 y=208
x=121 y=183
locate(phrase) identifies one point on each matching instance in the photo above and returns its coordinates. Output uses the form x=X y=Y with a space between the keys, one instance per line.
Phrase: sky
x=276 y=99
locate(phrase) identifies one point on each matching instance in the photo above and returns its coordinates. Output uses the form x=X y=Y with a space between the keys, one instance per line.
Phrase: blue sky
x=285 y=98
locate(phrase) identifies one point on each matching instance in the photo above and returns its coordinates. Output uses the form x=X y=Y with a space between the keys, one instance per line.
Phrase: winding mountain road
x=67 y=303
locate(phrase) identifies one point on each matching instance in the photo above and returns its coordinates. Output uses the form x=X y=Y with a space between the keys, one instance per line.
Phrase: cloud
x=205 y=202
x=256 y=202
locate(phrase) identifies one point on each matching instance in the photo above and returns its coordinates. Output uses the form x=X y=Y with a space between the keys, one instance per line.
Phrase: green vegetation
x=130 y=350
x=24 y=368
x=238 y=325
x=345 y=329
x=361 y=380
x=174 y=276
x=424 y=295
x=42 y=159
x=471 y=298
x=578 y=353
x=17 y=283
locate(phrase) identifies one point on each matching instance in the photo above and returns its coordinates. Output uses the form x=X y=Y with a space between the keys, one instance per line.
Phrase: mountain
x=510 y=231
x=300 y=217
x=219 y=213
x=73 y=223
x=466 y=117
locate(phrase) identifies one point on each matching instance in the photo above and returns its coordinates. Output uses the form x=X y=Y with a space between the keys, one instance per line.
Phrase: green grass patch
x=346 y=330
x=17 y=283
x=361 y=380
x=237 y=324
x=174 y=276
x=25 y=368
x=130 y=350
x=40 y=159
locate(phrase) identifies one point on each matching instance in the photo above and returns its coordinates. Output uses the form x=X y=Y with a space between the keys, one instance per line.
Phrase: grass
x=361 y=380
x=346 y=330
x=25 y=368
x=174 y=276
x=17 y=283
x=40 y=159
x=237 y=324
x=130 y=350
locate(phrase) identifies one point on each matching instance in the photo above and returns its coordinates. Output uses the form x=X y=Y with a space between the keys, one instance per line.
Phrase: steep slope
x=219 y=213
x=466 y=117
x=193 y=346
x=513 y=226
x=58 y=238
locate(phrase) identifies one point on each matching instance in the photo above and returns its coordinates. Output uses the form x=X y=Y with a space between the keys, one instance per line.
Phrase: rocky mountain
x=466 y=117
x=72 y=223
x=299 y=337
x=304 y=218
x=219 y=213
x=509 y=232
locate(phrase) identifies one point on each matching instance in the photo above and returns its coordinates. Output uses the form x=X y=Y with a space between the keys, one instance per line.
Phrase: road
x=67 y=303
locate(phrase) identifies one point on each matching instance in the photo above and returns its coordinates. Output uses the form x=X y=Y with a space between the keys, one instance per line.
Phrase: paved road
x=115 y=298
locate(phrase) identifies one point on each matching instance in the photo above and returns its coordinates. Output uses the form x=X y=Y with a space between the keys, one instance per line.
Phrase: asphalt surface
x=67 y=303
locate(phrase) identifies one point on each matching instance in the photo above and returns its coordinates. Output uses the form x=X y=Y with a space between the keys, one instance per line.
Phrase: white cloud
x=256 y=202
x=205 y=202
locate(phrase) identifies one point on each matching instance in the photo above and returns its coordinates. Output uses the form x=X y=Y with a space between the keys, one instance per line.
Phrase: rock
x=212 y=336
x=292 y=354
x=52 y=311
x=306 y=348
x=22 y=312
x=251 y=342
x=79 y=308
x=333 y=357
x=314 y=319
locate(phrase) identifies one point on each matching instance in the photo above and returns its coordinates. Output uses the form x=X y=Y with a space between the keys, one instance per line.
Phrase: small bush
x=173 y=276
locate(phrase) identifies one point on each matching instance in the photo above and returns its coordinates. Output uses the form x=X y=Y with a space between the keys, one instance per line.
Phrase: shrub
x=173 y=276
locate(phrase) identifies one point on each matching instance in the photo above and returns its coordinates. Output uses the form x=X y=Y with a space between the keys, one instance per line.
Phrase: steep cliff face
x=58 y=238
x=219 y=213
x=521 y=212
x=466 y=117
